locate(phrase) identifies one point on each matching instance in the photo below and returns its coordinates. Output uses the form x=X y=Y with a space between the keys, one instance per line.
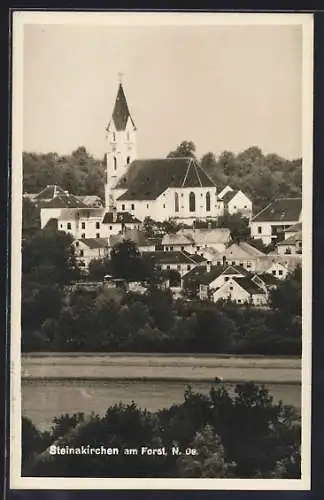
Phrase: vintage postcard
x=161 y=250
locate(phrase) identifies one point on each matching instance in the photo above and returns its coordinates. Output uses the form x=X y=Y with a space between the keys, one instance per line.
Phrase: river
x=57 y=384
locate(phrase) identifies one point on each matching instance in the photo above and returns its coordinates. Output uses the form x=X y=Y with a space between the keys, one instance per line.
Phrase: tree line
x=56 y=318
x=239 y=433
x=262 y=177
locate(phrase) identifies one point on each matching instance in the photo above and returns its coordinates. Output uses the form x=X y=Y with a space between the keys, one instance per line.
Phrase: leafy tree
x=98 y=268
x=287 y=297
x=30 y=219
x=186 y=149
x=126 y=262
x=238 y=226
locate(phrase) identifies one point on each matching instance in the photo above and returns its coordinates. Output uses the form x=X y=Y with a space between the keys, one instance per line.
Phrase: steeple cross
x=120 y=77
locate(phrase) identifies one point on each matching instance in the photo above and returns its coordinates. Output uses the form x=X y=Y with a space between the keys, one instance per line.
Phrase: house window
x=231 y=288
x=98 y=235
x=171 y=248
x=188 y=267
x=128 y=136
x=226 y=278
x=182 y=249
x=235 y=207
x=76 y=243
x=163 y=205
x=245 y=206
x=83 y=235
x=115 y=163
x=81 y=253
x=97 y=225
x=259 y=229
x=233 y=262
x=176 y=202
x=132 y=206
x=239 y=301
x=128 y=160
x=61 y=225
x=192 y=202
x=208 y=202
x=178 y=267
x=68 y=225
x=82 y=225
x=123 y=207
x=168 y=267
x=147 y=206
x=280 y=272
x=274 y=272
x=248 y=264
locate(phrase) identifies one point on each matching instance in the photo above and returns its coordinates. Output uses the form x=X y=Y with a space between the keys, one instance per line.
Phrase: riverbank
x=133 y=366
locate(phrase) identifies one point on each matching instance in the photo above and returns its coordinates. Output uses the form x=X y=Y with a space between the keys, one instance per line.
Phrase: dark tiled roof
x=195 y=273
x=248 y=285
x=50 y=192
x=171 y=257
x=147 y=179
x=292 y=240
x=95 y=242
x=121 y=112
x=121 y=218
x=63 y=201
x=269 y=279
x=216 y=271
x=280 y=210
x=295 y=227
x=229 y=196
x=51 y=224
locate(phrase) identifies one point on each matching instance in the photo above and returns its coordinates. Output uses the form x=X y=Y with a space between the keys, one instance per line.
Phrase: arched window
x=115 y=163
x=176 y=202
x=208 y=202
x=128 y=160
x=114 y=136
x=192 y=202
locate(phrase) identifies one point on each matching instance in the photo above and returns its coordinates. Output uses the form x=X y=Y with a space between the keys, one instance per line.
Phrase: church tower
x=121 y=145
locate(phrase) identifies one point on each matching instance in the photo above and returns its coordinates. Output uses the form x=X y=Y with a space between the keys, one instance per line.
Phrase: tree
x=98 y=268
x=186 y=149
x=126 y=262
x=48 y=259
x=287 y=297
x=238 y=226
x=30 y=219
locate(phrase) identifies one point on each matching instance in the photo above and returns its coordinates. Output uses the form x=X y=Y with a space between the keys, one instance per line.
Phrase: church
x=160 y=188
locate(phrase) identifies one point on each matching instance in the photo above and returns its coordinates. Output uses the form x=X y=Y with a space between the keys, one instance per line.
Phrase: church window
x=110 y=227
x=115 y=163
x=128 y=160
x=69 y=225
x=133 y=206
x=97 y=225
x=123 y=207
x=208 y=202
x=176 y=202
x=114 y=136
x=82 y=225
x=192 y=202
x=163 y=205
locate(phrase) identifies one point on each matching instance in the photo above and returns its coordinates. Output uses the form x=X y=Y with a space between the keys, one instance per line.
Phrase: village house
x=92 y=201
x=205 y=239
x=88 y=249
x=182 y=262
x=142 y=242
x=278 y=265
x=241 y=290
x=215 y=277
x=271 y=222
x=292 y=244
x=233 y=201
x=53 y=208
x=239 y=254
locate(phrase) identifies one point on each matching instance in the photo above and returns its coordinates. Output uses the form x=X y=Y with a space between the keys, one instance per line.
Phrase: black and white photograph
x=161 y=250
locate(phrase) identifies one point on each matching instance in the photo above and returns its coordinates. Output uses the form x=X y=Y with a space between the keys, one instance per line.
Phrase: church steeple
x=121 y=144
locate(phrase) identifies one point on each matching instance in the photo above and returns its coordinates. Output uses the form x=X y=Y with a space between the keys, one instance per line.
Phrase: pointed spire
x=121 y=111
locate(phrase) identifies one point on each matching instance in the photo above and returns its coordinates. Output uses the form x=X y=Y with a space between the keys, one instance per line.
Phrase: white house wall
x=49 y=213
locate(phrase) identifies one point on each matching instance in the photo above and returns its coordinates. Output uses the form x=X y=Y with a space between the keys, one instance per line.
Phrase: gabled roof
x=94 y=243
x=268 y=279
x=147 y=179
x=63 y=201
x=176 y=239
x=91 y=200
x=229 y=196
x=249 y=286
x=204 y=236
x=120 y=218
x=50 y=192
x=135 y=235
x=263 y=264
x=121 y=112
x=174 y=258
x=292 y=240
x=51 y=224
x=225 y=189
x=295 y=228
x=216 y=271
x=280 y=210
x=242 y=250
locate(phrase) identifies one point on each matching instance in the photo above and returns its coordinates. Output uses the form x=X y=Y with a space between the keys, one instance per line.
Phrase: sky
x=222 y=87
